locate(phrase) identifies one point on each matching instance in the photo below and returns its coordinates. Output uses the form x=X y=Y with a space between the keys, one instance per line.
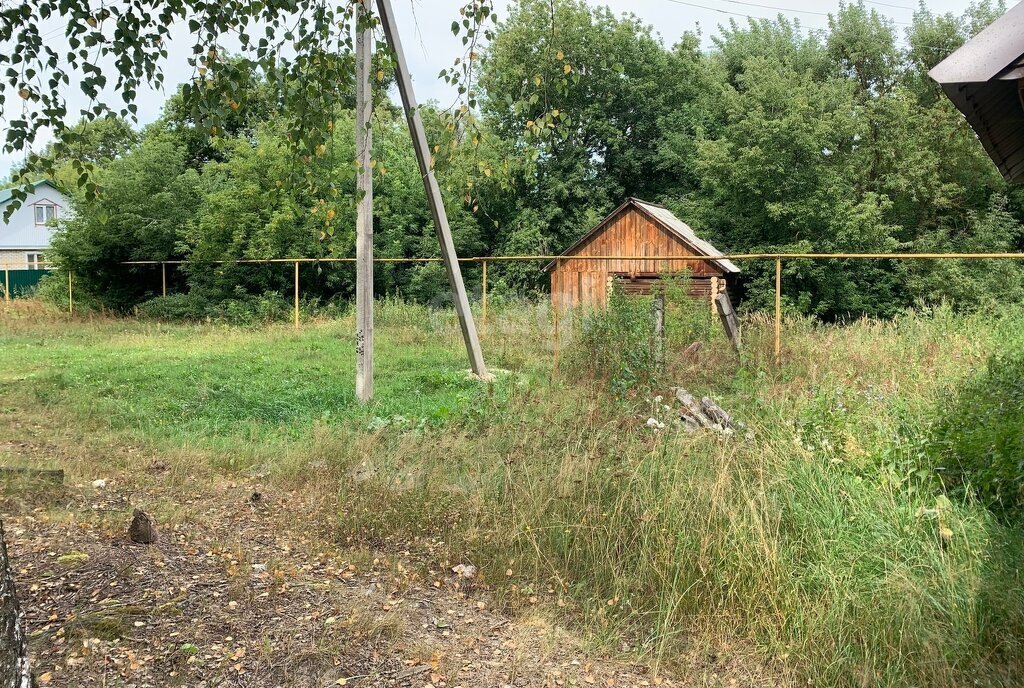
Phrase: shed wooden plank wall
x=630 y=233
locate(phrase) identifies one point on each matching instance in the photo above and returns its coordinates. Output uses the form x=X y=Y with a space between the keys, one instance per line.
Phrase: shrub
x=185 y=307
x=261 y=309
x=978 y=442
x=53 y=289
x=687 y=320
x=616 y=344
x=244 y=310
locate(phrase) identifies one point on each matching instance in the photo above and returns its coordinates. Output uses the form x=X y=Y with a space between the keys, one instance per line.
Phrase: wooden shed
x=633 y=230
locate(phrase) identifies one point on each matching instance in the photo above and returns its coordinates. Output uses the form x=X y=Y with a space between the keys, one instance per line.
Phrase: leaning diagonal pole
x=423 y=155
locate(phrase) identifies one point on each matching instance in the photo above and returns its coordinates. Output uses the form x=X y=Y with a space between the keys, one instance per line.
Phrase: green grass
x=217 y=382
x=820 y=550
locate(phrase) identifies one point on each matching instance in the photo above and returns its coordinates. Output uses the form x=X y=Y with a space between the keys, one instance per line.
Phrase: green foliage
x=616 y=344
x=978 y=443
x=303 y=60
x=775 y=139
x=176 y=307
x=971 y=283
x=149 y=199
x=244 y=309
x=571 y=97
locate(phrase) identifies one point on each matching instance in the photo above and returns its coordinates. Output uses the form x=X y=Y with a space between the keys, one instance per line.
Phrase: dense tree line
x=772 y=139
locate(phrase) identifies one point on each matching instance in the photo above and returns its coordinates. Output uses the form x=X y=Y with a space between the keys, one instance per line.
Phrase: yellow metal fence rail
x=777 y=258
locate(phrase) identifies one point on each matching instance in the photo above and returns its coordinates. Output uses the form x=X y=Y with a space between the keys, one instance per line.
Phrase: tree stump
x=14 y=671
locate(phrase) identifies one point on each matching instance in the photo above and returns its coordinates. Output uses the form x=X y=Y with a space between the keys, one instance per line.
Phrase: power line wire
x=773 y=7
x=886 y=4
x=769 y=7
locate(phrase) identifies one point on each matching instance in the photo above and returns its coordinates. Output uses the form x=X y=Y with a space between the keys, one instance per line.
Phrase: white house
x=25 y=237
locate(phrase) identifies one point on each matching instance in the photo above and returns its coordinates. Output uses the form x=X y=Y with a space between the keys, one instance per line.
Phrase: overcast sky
x=430 y=45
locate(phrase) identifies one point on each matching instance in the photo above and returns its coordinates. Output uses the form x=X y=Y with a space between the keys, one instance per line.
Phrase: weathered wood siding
x=577 y=282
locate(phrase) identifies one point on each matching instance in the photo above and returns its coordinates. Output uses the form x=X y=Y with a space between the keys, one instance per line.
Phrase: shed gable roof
x=665 y=219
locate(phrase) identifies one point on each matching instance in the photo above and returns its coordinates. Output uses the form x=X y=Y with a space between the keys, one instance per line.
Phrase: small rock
x=99 y=483
x=467 y=571
x=142 y=529
x=692 y=349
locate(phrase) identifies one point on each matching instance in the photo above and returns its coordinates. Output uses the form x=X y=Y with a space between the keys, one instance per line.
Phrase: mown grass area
x=824 y=541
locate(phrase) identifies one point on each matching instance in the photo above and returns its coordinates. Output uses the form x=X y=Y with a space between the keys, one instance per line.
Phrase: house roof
x=7 y=194
x=982 y=79
x=665 y=219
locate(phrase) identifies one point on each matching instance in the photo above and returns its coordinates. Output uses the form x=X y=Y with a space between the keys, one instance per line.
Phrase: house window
x=34 y=261
x=45 y=212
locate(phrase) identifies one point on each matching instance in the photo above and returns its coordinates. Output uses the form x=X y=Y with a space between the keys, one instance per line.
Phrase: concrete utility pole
x=364 y=209
x=423 y=155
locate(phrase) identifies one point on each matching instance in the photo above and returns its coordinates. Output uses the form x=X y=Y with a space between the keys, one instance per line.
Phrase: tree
x=583 y=91
x=149 y=199
x=14 y=672
x=303 y=48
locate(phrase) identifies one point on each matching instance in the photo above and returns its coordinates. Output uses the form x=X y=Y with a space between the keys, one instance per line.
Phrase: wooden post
x=71 y=301
x=364 y=209
x=163 y=276
x=296 y=295
x=555 y=296
x=658 y=342
x=483 y=299
x=730 y=322
x=419 y=139
x=778 y=311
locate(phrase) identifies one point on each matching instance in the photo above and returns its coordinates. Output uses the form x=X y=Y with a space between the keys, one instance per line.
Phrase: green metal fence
x=20 y=282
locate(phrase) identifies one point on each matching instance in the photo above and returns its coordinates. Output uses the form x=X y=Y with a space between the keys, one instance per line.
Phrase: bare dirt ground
x=244 y=589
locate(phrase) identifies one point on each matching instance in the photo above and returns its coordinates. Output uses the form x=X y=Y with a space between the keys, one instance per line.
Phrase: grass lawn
x=814 y=544
x=199 y=383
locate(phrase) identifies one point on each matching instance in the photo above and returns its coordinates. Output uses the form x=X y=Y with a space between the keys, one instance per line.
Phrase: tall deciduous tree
x=584 y=91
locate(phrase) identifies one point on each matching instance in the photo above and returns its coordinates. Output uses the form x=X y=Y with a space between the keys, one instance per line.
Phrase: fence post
x=778 y=311
x=483 y=318
x=296 y=295
x=658 y=341
x=71 y=301
x=555 y=298
x=163 y=276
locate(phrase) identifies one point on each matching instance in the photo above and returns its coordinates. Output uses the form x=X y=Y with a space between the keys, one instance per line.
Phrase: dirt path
x=231 y=595
x=230 y=599
x=242 y=589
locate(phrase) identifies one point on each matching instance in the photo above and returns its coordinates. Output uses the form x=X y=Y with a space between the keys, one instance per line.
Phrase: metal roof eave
x=986 y=55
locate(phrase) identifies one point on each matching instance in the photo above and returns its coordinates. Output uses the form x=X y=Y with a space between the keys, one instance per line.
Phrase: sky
x=431 y=47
